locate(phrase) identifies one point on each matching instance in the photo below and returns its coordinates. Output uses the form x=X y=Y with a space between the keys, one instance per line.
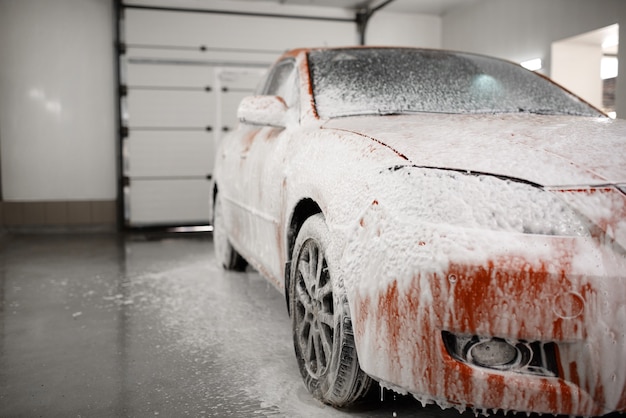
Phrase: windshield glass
x=400 y=80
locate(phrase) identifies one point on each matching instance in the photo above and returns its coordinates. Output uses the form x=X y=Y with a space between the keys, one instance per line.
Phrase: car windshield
x=363 y=81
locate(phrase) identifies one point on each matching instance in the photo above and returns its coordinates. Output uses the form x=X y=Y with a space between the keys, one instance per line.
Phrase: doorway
x=587 y=65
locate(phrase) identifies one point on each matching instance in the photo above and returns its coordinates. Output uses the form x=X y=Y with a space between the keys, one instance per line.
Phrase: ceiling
x=431 y=7
x=607 y=38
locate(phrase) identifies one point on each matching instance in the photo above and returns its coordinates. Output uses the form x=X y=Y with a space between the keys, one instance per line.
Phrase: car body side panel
x=281 y=167
x=229 y=165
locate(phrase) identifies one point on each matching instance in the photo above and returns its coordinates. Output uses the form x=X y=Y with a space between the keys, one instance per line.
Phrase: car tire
x=225 y=254
x=321 y=324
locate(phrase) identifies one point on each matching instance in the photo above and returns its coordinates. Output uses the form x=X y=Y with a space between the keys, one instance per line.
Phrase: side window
x=283 y=82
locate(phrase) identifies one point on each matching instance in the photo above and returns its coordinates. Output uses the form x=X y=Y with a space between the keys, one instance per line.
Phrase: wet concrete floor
x=135 y=325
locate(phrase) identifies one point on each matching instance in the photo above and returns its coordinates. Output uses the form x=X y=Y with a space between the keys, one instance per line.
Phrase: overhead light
x=532 y=65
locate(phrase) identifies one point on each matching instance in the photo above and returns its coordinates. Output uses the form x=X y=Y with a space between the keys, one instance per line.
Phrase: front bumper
x=571 y=291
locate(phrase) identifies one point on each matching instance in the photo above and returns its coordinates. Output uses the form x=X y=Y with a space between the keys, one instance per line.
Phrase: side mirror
x=263 y=110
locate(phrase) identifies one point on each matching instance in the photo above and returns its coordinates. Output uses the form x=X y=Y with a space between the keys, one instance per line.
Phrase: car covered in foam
x=443 y=224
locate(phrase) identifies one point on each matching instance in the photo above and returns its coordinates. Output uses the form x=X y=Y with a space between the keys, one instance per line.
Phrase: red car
x=445 y=224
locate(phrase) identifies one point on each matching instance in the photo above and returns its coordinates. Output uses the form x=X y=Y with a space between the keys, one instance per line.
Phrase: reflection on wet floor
x=103 y=325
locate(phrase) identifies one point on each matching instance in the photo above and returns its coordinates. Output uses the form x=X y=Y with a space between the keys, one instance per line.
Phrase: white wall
x=519 y=30
x=404 y=29
x=57 y=106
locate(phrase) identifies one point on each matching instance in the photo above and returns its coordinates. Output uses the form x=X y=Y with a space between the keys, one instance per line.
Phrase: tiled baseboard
x=84 y=213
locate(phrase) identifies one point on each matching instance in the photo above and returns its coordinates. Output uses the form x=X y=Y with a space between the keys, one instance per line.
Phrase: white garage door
x=182 y=76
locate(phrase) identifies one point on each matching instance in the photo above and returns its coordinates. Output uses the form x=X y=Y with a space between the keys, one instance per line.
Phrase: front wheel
x=321 y=324
x=226 y=255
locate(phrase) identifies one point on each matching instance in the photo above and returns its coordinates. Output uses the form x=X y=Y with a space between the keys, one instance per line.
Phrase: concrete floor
x=112 y=325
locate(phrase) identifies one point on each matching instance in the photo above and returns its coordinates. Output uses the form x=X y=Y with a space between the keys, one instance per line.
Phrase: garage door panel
x=169 y=202
x=231 y=101
x=192 y=55
x=241 y=79
x=146 y=27
x=171 y=51
x=181 y=73
x=235 y=84
x=170 y=154
x=171 y=75
x=175 y=108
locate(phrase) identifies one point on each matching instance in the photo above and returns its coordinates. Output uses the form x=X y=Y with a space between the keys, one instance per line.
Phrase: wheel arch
x=305 y=208
x=212 y=196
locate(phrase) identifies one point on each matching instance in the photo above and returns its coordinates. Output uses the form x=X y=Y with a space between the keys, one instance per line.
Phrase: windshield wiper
x=391 y=112
x=552 y=112
x=536 y=111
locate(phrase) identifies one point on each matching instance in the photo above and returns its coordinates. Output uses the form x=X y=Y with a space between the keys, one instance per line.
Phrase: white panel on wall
x=226 y=31
x=202 y=55
x=159 y=154
x=57 y=105
x=163 y=108
x=166 y=75
x=175 y=202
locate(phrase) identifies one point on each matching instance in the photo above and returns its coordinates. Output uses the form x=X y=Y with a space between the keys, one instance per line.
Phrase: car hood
x=547 y=150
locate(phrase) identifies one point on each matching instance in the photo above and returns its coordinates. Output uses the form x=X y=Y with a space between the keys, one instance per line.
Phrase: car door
x=262 y=168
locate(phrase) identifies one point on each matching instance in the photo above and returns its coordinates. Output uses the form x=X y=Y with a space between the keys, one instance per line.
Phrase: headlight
x=495 y=353
x=485 y=202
